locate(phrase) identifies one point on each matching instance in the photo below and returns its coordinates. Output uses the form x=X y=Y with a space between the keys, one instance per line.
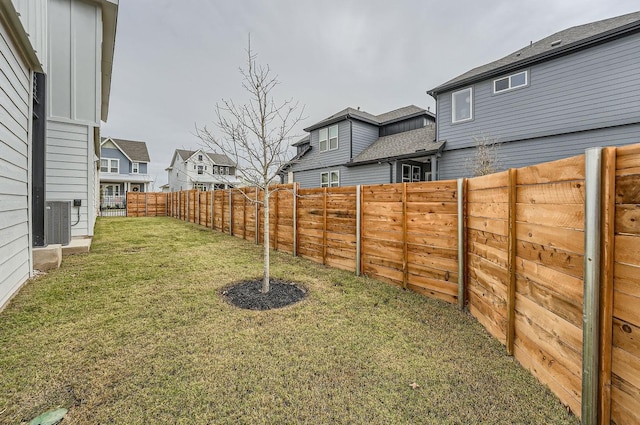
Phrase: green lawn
x=136 y=333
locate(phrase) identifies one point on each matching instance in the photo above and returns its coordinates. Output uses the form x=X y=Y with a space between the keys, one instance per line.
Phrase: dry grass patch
x=136 y=332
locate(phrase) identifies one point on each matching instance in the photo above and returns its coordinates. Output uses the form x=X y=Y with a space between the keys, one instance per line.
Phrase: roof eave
x=338 y=119
x=10 y=15
x=109 y=25
x=410 y=155
x=541 y=57
x=406 y=117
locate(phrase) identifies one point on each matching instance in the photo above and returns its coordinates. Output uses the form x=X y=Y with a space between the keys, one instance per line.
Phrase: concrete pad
x=77 y=246
x=47 y=258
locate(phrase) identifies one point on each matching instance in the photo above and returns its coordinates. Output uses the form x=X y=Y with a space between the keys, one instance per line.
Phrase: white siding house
x=79 y=79
x=73 y=65
x=201 y=170
x=18 y=61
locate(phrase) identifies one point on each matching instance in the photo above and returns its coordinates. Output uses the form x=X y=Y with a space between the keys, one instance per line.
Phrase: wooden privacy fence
x=546 y=257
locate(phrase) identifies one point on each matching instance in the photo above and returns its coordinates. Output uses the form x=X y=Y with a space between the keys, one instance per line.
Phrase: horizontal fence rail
x=509 y=246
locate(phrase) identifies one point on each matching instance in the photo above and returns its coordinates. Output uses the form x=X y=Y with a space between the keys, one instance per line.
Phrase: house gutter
x=395 y=158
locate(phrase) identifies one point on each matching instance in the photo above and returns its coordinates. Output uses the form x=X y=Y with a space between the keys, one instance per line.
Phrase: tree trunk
x=265 y=277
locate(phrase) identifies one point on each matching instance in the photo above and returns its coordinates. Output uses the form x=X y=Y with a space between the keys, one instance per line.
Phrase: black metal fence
x=113 y=206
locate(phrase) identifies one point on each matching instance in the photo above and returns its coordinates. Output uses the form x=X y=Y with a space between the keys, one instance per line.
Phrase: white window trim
x=329 y=174
x=453 y=105
x=511 y=87
x=135 y=168
x=406 y=167
x=413 y=173
x=328 y=139
x=117 y=161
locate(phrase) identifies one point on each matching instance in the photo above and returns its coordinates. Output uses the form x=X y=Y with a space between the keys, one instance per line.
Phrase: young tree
x=486 y=159
x=256 y=135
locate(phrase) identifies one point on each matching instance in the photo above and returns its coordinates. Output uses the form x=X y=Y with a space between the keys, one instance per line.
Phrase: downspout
x=390 y=171
x=350 y=139
x=435 y=123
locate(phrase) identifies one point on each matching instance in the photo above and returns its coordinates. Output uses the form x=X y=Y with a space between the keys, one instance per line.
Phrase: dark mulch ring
x=247 y=294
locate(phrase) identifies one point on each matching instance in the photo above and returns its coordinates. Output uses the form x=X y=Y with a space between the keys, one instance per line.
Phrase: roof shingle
x=409 y=143
x=136 y=151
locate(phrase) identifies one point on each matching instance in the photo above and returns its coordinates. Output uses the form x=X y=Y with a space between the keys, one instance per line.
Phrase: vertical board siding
x=409 y=239
x=15 y=267
x=74 y=58
x=625 y=365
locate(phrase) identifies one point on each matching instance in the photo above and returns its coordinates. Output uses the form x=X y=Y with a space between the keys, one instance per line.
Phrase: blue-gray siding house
x=123 y=167
x=354 y=147
x=554 y=98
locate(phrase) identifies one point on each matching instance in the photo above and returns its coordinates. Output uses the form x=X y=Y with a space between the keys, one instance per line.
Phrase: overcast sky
x=174 y=60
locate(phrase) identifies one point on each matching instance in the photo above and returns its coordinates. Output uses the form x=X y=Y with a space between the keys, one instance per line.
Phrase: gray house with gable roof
x=554 y=98
x=354 y=147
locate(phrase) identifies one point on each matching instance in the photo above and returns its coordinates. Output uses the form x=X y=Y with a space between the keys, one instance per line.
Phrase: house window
x=415 y=177
x=329 y=138
x=200 y=186
x=215 y=169
x=110 y=166
x=330 y=179
x=199 y=157
x=200 y=169
x=462 y=105
x=410 y=173
x=135 y=168
x=510 y=82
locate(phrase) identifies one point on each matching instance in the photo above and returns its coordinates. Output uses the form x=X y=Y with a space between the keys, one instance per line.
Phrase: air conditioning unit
x=58 y=216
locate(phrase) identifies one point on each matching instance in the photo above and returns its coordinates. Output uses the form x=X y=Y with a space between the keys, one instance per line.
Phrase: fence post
x=358 y=229
x=244 y=214
x=511 y=262
x=231 y=211
x=295 y=219
x=591 y=309
x=461 y=239
x=405 y=260
x=324 y=228
x=606 y=302
x=275 y=221
x=197 y=208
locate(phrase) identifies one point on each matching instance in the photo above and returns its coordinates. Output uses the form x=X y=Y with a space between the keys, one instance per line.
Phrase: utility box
x=58 y=216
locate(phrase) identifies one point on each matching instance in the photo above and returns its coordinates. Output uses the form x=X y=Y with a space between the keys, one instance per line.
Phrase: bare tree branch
x=255 y=135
